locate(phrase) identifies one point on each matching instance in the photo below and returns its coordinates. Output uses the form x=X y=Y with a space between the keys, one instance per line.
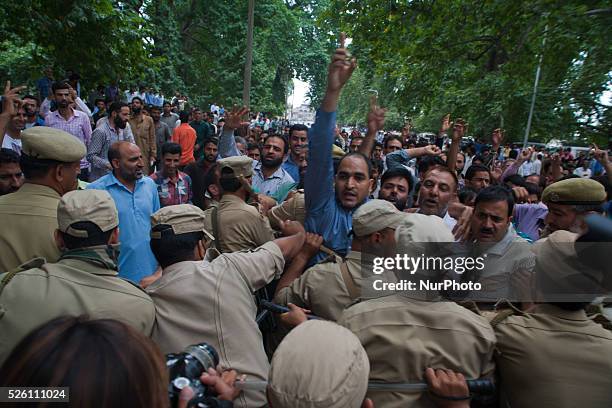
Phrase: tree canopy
x=424 y=58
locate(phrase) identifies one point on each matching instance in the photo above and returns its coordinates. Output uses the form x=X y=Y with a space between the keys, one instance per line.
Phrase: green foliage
x=477 y=60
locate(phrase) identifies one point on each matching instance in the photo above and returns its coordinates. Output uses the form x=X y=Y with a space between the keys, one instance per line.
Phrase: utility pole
x=246 y=91
x=535 y=89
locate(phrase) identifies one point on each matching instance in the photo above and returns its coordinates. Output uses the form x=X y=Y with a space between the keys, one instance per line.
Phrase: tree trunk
x=246 y=91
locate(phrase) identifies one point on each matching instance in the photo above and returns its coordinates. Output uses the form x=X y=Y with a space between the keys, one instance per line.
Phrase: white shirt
x=582 y=172
x=13 y=144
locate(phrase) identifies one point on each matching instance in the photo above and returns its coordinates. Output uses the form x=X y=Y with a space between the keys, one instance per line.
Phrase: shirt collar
x=279 y=173
x=548 y=309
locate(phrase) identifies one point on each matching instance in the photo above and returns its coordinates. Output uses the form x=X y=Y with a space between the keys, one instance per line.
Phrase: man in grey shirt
x=168 y=117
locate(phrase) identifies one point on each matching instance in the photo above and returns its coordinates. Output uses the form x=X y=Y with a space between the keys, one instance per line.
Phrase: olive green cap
x=42 y=142
x=575 y=191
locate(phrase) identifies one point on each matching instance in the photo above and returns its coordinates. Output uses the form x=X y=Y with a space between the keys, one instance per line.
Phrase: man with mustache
x=136 y=200
x=11 y=176
x=507 y=256
x=395 y=186
x=438 y=189
x=110 y=130
x=70 y=120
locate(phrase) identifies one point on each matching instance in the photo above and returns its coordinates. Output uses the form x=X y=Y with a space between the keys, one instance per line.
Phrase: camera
x=185 y=369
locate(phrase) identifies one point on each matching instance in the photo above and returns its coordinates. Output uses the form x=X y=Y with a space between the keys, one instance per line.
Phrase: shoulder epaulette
x=31 y=264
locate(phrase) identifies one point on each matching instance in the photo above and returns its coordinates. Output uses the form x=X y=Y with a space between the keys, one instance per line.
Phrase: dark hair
x=513 y=154
x=95 y=236
x=154 y=107
x=213 y=141
x=494 y=194
x=252 y=146
x=166 y=103
x=425 y=163
x=466 y=194
x=357 y=154
x=231 y=184
x=378 y=165
x=515 y=179
x=210 y=177
x=116 y=107
x=32 y=97
x=297 y=127
x=171 y=148
x=34 y=168
x=8 y=156
x=172 y=248
x=392 y=137
x=281 y=137
x=90 y=357
x=139 y=98
x=398 y=172
x=113 y=152
x=60 y=85
x=184 y=116
x=475 y=168
x=533 y=189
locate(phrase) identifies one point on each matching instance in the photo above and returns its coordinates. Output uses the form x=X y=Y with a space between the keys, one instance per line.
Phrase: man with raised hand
x=329 y=212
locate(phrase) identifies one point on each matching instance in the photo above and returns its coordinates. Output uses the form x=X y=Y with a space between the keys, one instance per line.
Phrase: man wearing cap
x=83 y=281
x=235 y=224
x=136 y=199
x=213 y=301
x=407 y=332
x=568 y=201
x=50 y=163
x=328 y=287
x=565 y=353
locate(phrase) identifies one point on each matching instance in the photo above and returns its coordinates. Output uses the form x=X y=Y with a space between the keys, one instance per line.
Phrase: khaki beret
x=337 y=152
x=376 y=215
x=241 y=166
x=42 y=142
x=575 y=191
x=182 y=218
x=319 y=364
x=96 y=206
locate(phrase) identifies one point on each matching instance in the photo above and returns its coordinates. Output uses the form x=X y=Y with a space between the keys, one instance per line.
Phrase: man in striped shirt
x=70 y=120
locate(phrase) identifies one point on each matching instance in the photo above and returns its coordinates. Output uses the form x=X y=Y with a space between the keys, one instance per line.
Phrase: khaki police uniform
x=319 y=365
x=83 y=281
x=551 y=357
x=325 y=288
x=554 y=358
x=200 y=301
x=407 y=332
x=235 y=224
x=29 y=216
x=293 y=209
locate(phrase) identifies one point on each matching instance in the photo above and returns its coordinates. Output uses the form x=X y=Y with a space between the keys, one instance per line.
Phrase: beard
x=136 y=111
x=271 y=162
x=63 y=104
x=119 y=123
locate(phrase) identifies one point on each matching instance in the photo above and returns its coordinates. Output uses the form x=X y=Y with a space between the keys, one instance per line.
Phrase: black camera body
x=185 y=369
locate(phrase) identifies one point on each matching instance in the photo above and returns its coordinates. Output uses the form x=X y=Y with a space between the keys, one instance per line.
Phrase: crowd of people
x=141 y=227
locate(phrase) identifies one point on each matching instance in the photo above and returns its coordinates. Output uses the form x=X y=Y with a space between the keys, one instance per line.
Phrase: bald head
x=126 y=160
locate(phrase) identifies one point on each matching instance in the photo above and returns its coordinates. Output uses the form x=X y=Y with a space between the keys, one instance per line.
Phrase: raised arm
x=318 y=182
x=458 y=133
x=376 y=121
x=227 y=143
x=9 y=99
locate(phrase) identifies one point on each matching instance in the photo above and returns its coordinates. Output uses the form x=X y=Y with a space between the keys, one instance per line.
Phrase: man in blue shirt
x=329 y=212
x=136 y=199
x=298 y=139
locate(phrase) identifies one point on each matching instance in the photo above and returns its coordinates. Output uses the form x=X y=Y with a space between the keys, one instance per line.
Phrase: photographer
x=213 y=301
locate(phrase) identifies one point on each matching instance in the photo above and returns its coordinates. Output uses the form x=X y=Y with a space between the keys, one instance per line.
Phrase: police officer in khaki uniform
x=554 y=355
x=328 y=287
x=405 y=333
x=568 y=201
x=213 y=301
x=319 y=365
x=235 y=224
x=294 y=209
x=83 y=281
x=50 y=162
